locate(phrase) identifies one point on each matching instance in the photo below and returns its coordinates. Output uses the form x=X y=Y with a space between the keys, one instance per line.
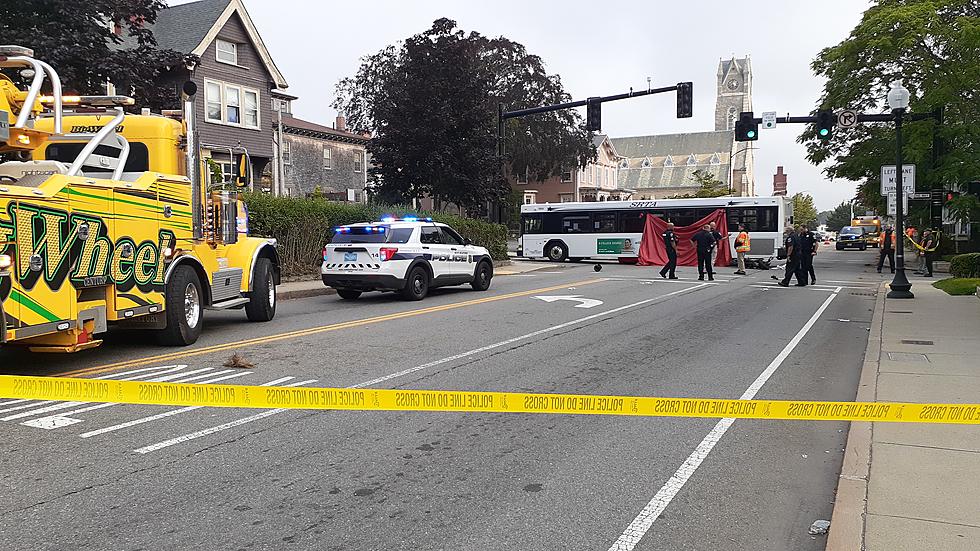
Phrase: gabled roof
x=737 y=64
x=190 y=28
x=652 y=161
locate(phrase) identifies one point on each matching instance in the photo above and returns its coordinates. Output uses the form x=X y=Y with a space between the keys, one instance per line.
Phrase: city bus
x=613 y=229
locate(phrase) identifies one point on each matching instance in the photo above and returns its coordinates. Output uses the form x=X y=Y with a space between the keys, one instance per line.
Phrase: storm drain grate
x=907 y=357
x=921 y=343
x=899 y=311
x=862 y=294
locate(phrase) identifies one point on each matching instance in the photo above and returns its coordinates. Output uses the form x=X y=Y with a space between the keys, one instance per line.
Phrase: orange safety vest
x=881 y=239
x=743 y=237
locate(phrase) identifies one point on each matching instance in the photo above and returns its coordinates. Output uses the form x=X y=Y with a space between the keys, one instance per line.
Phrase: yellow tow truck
x=105 y=221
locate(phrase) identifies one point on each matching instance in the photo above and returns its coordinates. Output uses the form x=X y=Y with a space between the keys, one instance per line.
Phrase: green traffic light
x=750 y=133
x=824 y=131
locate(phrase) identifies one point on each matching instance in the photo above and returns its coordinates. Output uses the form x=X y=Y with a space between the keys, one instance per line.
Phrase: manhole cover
x=907 y=357
x=922 y=343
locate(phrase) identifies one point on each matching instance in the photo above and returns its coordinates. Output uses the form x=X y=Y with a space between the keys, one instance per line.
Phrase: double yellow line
x=136 y=362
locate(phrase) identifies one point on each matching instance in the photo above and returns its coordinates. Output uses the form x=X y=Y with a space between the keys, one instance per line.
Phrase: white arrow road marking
x=583 y=302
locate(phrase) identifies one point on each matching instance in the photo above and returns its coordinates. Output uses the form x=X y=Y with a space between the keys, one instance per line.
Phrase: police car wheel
x=184 y=308
x=348 y=294
x=416 y=284
x=262 y=303
x=482 y=277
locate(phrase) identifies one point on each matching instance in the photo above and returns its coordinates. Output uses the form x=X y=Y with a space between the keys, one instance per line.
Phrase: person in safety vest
x=742 y=246
x=886 y=248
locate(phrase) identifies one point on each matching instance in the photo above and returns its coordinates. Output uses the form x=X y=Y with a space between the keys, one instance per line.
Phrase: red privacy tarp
x=653 y=250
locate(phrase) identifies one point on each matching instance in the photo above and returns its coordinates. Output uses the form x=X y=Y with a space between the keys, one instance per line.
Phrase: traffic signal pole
x=685 y=91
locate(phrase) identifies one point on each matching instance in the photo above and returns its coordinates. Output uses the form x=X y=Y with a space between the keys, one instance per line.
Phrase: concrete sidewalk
x=304 y=288
x=909 y=486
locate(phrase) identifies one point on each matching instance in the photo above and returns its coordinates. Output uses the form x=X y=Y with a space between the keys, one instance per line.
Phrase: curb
x=847 y=525
x=305 y=293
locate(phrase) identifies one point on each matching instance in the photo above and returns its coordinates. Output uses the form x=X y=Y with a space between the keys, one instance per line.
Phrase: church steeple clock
x=734 y=91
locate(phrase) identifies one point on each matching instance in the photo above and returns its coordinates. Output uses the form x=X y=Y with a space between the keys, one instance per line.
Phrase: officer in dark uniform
x=705 y=243
x=808 y=245
x=792 y=244
x=670 y=242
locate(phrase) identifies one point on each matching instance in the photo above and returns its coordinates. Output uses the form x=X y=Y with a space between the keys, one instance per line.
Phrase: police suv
x=407 y=255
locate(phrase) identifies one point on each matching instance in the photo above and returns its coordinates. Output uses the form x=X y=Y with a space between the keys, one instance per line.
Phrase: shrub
x=965 y=265
x=303 y=225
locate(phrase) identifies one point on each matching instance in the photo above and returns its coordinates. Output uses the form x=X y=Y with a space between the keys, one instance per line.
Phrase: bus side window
x=631 y=221
x=604 y=222
x=531 y=224
x=575 y=224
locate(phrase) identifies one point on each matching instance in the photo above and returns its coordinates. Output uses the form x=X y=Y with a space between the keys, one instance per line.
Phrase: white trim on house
x=236 y=6
x=223 y=88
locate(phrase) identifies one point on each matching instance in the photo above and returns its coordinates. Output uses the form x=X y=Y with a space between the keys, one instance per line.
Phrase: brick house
x=597 y=181
x=330 y=160
x=235 y=79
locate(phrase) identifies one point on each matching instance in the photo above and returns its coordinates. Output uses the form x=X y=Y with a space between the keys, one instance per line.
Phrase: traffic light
x=746 y=129
x=593 y=115
x=825 y=123
x=685 y=100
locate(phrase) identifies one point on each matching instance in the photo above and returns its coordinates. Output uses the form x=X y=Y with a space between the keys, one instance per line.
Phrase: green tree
x=934 y=47
x=431 y=104
x=803 y=210
x=708 y=186
x=76 y=40
x=839 y=217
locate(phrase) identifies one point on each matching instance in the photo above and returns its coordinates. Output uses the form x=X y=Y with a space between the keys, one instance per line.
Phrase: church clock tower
x=735 y=96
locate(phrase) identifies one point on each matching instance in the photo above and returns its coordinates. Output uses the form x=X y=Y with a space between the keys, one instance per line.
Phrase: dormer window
x=714 y=159
x=624 y=164
x=645 y=163
x=226 y=52
x=692 y=160
x=668 y=162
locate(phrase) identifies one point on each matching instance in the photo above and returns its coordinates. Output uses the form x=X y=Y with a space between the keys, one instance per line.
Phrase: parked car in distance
x=851 y=237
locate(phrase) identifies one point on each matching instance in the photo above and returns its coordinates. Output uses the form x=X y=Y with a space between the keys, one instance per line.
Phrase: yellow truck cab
x=105 y=220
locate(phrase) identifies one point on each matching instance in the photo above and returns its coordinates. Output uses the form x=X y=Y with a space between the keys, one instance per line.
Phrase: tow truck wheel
x=185 y=308
x=262 y=304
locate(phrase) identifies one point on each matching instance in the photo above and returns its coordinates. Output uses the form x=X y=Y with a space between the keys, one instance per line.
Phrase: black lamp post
x=898 y=100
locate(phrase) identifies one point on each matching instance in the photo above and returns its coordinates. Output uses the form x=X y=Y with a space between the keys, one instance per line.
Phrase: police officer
x=792 y=244
x=808 y=248
x=670 y=243
x=886 y=248
x=705 y=244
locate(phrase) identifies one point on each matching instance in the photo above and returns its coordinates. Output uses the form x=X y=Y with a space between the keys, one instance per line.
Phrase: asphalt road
x=95 y=476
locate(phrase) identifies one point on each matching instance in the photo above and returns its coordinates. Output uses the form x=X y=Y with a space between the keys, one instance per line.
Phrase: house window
x=522 y=176
x=285 y=154
x=528 y=198
x=214 y=101
x=230 y=104
x=226 y=52
x=566 y=197
x=566 y=176
x=358 y=162
x=327 y=165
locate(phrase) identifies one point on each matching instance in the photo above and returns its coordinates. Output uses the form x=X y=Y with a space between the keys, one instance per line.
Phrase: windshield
x=851 y=230
x=371 y=234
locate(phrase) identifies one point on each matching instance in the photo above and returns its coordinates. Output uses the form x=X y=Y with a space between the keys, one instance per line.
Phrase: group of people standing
x=801 y=246
x=707 y=241
x=925 y=248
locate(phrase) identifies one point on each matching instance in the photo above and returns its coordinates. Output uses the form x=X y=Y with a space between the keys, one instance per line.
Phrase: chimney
x=779 y=182
x=341 y=123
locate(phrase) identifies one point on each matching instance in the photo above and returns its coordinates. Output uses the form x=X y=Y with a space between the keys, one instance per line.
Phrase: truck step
x=230 y=303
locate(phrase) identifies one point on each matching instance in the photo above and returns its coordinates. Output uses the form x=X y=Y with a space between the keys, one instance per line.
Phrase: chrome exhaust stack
x=193 y=158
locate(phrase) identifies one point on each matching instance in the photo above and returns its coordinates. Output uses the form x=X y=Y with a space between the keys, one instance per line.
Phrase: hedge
x=965 y=265
x=303 y=226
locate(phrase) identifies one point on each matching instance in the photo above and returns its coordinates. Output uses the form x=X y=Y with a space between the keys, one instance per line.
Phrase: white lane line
x=875 y=283
x=15 y=408
x=163 y=415
x=7 y=403
x=160 y=368
x=656 y=280
x=643 y=521
x=521 y=338
x=66 y=405
x=271 y=412
x=218 y=428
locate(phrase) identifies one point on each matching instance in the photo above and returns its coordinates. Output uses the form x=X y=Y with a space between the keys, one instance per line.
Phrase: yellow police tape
x=238 y=396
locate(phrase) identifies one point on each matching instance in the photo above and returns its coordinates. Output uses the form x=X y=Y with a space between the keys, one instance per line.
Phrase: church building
x=664 y=165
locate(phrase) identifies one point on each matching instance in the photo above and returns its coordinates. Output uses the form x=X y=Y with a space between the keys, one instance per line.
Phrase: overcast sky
x=598 y=49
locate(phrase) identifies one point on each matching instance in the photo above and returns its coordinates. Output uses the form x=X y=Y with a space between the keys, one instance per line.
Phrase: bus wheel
x=556 y=251
x=185 y=308
x=262 y=304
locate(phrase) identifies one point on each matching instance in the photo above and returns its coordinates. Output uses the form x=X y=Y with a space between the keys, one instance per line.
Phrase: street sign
x=847 y=118
x=888 y=174
x=892 y=203
x=919 y=196
x=769 y=119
